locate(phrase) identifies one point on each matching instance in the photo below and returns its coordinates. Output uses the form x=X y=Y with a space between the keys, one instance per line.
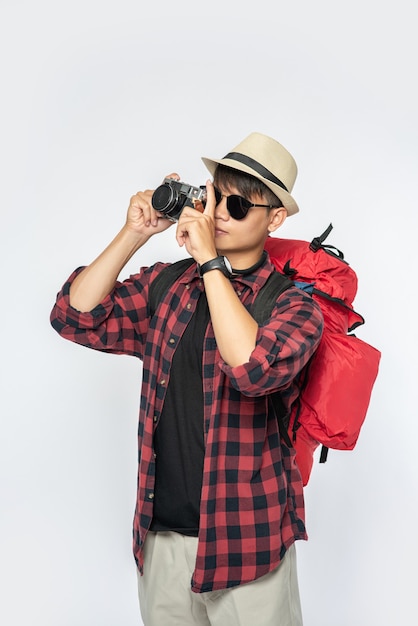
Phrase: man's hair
x=245 y=184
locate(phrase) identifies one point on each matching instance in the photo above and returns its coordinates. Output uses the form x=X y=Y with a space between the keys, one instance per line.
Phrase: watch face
x=228 y=265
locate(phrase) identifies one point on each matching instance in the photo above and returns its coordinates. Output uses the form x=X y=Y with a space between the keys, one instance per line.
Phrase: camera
x=172 y=196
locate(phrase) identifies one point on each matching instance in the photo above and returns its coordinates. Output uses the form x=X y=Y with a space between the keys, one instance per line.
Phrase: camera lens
x=164 y=198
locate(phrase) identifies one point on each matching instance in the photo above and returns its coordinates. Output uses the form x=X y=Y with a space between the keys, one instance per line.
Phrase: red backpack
x=337 y=383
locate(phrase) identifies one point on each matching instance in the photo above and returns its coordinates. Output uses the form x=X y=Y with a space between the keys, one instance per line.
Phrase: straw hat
x=265 y=159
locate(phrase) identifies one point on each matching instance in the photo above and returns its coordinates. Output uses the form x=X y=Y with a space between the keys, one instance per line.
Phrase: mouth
x=219 y=232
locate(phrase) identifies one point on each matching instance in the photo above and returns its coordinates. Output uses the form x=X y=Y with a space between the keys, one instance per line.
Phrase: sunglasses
x=238 y=206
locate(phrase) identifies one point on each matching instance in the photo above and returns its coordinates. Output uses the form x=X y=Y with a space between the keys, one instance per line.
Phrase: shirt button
x=155 y=418
x=162 y=382
x=171 y=340
x=187 y=286
x=188 y=306
x=150 y=496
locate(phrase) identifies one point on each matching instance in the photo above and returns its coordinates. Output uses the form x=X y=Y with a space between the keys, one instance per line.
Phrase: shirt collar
x=253 y=268
x=253 y=277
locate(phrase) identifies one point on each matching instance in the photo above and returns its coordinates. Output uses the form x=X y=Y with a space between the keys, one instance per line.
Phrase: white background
x=100 y=99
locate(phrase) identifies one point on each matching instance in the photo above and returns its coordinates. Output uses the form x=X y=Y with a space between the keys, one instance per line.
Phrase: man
x=220 y=499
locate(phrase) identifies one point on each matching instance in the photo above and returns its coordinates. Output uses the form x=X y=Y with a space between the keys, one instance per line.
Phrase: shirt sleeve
x=284 y=344
x=118 y=324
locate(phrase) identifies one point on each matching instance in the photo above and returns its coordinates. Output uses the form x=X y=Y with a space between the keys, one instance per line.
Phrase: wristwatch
x=218 y=263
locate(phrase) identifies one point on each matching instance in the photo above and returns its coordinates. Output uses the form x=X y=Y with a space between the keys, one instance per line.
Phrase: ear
x=277 y=217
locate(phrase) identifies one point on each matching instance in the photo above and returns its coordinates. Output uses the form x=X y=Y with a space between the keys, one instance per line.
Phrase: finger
x=151 y=215
x=141 y=207
x=188 y=215
x=210 y=199
x=173 y=175
x=181 y=234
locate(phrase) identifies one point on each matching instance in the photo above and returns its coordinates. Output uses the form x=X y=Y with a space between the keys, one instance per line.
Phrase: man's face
x=242 y=240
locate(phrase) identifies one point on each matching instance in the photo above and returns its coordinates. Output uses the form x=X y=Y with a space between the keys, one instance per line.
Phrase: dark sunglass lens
x=218 y=195
x=238 y=207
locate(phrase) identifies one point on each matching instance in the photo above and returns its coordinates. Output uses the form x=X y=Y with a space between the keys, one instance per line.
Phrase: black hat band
x=256 y=166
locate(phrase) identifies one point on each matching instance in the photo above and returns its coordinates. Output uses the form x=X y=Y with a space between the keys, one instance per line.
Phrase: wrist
x=133 y=237
x=220 y=263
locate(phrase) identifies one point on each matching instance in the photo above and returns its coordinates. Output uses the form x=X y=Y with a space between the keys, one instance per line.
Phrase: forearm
x=284 y=346
x=97 y=280
x=235 y=329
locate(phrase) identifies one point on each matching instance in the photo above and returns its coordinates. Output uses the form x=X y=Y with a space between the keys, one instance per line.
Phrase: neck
x=243 y=259
x=251 y=268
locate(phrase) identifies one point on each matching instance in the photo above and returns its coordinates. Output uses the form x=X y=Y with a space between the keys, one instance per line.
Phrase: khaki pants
x=166 y=598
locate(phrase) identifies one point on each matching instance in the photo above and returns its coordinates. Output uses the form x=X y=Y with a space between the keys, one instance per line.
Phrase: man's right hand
x=142 y=218
x=97 y=280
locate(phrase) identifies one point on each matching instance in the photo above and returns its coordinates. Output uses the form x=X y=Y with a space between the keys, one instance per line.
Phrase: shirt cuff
x=246 y=377
x=64 y=312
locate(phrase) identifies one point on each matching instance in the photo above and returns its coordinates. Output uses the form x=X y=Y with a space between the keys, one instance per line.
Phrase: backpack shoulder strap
x=263 y=305
x=261 y=310
x=164 y=280
x=282 y=416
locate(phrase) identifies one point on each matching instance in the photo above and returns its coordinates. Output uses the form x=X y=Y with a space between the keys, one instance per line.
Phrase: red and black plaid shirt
x=252 y=506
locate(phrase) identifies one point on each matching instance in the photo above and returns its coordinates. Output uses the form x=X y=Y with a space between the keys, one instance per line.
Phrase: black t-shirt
x=179 y=437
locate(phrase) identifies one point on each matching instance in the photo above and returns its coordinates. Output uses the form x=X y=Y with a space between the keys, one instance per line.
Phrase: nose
x=221 y=212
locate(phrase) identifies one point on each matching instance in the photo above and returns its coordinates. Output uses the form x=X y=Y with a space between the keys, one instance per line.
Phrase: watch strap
x=218 y=263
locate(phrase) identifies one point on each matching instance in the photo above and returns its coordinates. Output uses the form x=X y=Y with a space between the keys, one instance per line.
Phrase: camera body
x=172 y=196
